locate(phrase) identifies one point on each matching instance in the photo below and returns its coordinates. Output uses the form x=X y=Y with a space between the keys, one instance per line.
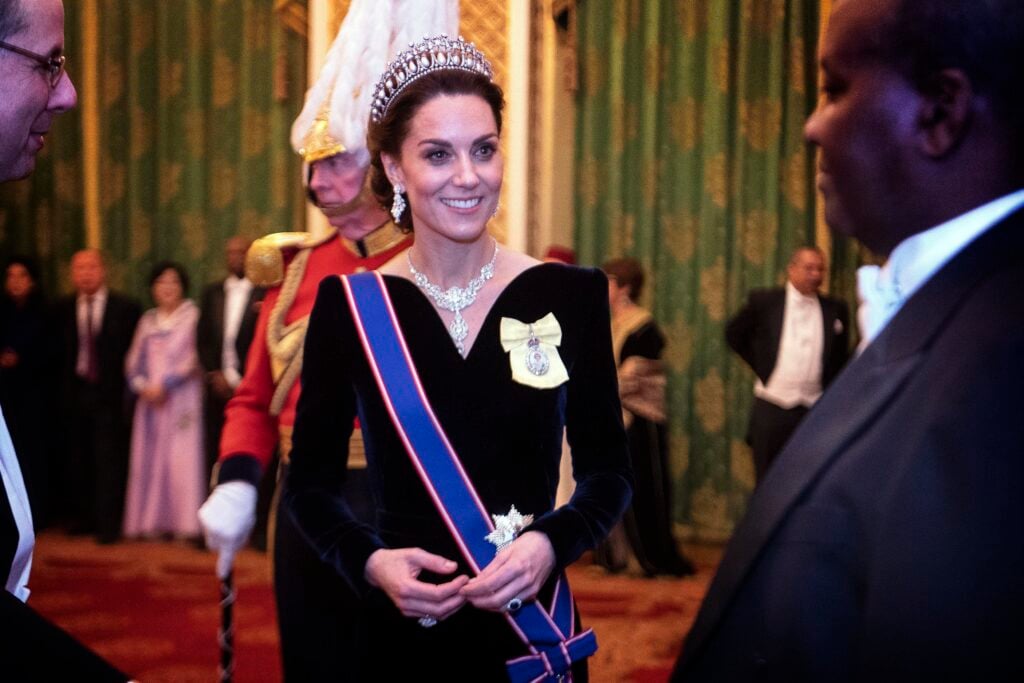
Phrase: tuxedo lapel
x=853 y=401
x=828 y=318
x=775 y=317
x=217 y=316
x=858 y=395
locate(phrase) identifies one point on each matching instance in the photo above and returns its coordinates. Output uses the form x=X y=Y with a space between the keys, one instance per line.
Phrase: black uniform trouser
x=321 y=620
x=770 y=429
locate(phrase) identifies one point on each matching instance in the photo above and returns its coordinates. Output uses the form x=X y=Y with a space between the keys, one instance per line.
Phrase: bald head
x=88 y=271
x=982 y=38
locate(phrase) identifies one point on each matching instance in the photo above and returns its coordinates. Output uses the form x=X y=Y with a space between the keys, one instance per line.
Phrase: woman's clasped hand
x=517 y=571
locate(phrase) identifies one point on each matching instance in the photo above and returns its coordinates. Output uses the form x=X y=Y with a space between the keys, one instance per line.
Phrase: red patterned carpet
x=152 y=609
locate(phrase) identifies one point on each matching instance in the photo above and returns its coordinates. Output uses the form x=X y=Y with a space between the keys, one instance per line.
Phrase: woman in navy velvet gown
x=436 y=146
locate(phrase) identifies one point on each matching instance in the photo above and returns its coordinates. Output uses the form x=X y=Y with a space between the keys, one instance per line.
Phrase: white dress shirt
x=796 y=378
x=99 y=306
x=16 y=582
x=884 y=290
x=236 y=298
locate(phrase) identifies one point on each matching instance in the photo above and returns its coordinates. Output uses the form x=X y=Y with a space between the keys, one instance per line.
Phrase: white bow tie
x=880 y=298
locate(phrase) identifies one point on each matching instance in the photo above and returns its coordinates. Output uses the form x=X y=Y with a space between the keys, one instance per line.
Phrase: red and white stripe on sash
x=548 y=633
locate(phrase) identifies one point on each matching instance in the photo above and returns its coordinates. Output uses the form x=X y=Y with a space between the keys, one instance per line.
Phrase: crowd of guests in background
x=139 y=392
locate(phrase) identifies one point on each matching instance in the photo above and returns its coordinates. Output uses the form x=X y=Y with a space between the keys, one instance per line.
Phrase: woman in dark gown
x=646 y=529
x=437 y=143
x=24 y=377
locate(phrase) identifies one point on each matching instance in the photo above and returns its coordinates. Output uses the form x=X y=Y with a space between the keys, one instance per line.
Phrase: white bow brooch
x=533 y=352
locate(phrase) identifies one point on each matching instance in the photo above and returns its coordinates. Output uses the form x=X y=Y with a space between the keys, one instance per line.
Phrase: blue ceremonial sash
x=549 y=634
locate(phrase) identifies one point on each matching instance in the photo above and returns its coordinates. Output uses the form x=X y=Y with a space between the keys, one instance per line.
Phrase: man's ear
x=946 y=112
x=392 y=169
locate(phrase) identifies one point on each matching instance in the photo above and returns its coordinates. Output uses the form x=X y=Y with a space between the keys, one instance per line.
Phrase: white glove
x=227 y=518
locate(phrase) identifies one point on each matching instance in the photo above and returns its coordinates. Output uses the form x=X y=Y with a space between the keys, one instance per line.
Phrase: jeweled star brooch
x=507 y=527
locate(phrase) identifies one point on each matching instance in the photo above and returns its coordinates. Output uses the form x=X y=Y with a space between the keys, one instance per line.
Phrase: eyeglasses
x=54 y=65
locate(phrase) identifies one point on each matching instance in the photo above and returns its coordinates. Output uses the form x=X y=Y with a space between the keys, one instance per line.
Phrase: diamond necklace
x=455 y=299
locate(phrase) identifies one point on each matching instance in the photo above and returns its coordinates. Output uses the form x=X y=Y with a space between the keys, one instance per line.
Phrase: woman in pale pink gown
x=165 y=481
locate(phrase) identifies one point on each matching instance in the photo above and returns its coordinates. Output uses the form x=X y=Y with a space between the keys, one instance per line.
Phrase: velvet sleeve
x=597 y=439
x=319 y=457
x=647 y=342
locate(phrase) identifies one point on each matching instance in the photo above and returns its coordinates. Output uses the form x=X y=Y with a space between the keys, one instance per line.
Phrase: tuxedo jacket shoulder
x=210 y=331
x=755 y=332
x=35 y=649
x=884 y=543
x=120 y=318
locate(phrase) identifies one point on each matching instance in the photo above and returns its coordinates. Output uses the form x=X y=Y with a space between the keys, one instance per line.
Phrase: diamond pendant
x=458 y=330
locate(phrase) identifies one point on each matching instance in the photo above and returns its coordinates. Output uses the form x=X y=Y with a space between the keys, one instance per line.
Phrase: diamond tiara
x=430 y=54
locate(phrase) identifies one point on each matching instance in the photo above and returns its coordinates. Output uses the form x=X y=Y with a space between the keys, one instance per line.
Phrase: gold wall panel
x=485 y=23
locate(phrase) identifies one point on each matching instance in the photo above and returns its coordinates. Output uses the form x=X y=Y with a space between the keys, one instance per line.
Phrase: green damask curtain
x=196 y=99
x=691 y=158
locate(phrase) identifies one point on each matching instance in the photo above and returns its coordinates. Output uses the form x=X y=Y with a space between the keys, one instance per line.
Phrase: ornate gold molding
x=822 y=236
x=485 y=22
x=91 y=130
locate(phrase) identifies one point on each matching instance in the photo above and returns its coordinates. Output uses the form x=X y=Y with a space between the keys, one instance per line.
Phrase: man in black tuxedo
x=227 y=323
x=885 y=542
x=35 y=90
x=796 y=341
x=95 y=329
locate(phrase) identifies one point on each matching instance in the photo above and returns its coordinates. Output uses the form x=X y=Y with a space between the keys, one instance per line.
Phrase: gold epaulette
x=264 y=262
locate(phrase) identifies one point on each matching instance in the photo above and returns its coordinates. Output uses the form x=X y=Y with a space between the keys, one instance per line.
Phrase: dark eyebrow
x=445 y=143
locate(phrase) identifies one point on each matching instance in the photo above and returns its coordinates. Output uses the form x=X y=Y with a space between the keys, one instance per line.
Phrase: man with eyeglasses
x=32 y=79
x=33 y=90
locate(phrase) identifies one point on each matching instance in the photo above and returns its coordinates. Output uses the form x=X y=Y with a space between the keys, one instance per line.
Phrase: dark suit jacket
x=115 y=336
x=885 y=542
x=210 y=333
x=32 y=648
x=755 y=331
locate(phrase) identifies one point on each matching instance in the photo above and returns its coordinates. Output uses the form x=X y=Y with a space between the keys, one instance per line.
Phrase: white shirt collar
x=919 y=256
x=99 y=296
x=884 y=290
x=794 y=294
x=232 y=281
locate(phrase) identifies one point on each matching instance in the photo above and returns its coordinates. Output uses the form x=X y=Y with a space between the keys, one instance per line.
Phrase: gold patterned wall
x=485 y=22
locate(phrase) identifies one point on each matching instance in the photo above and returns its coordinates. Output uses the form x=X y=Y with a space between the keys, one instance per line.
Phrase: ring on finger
x=514 y=604
x=427 y=621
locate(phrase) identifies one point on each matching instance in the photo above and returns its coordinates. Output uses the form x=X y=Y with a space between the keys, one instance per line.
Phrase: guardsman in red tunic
x=318 y=615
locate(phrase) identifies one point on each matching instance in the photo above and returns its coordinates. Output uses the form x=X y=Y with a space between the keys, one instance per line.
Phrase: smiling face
x=167 y=290
x=865 y=129
x=29 y=103
x=450 y=166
